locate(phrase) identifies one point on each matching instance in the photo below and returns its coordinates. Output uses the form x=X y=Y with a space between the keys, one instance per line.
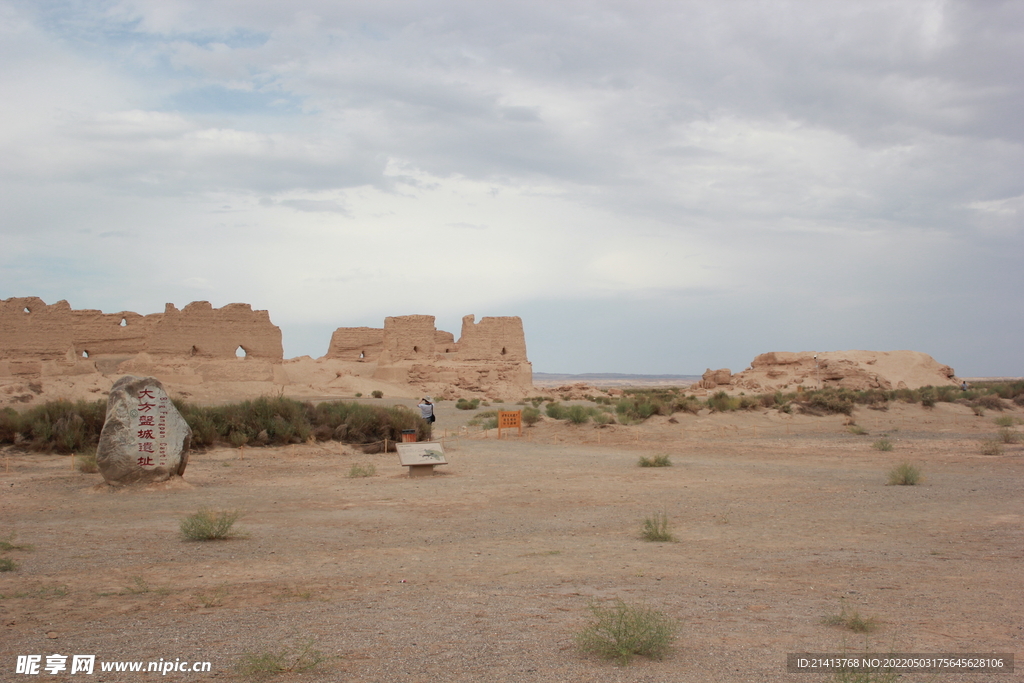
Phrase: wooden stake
x=72 y=462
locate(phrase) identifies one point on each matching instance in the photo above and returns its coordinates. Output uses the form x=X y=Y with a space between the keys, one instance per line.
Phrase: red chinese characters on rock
x=148 y=423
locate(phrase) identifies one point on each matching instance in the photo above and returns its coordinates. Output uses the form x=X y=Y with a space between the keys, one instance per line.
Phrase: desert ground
x=486 y=570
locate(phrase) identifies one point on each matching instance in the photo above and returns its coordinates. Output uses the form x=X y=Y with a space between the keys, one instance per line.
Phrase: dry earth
x=485 y=571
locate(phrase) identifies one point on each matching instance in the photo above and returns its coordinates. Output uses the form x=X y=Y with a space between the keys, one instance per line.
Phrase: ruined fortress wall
x=492 y=339
x=31 y=329
x=33 y=332
x=200 y=330
x=356 y=343
x=408 y=337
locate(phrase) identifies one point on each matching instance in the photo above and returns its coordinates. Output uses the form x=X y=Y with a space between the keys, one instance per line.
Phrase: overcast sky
x=654 y=187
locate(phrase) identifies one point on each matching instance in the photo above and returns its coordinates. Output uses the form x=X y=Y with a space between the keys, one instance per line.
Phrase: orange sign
x=510 y=419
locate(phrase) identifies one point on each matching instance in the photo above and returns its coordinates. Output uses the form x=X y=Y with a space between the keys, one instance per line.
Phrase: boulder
x=144 y=438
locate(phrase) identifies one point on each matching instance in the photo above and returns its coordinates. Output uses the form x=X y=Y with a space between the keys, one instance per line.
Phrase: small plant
x=358 y=470
x=377 y=393
x=1007 y=435
x=214 y=599
x=9 y=544
x=463 y=404
x=577 y=414
x=904 y=474
x=882 y=444
x=237 y=439
x=623 y=631
x=656 y=461
x=991 y=447
x=7 y=564
x=359 y=394
x=1005 y=421
x=851 y=620
x=280 y=661
x=531 y=416
x=656 y=528
x=857 y=429
x=87 y=464
x=208 y=525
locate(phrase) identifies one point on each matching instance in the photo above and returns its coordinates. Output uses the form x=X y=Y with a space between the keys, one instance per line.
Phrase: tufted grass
x=209 y=525
x=622 y=631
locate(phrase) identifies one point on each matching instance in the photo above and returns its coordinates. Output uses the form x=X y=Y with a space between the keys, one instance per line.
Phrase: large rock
x=144 y=438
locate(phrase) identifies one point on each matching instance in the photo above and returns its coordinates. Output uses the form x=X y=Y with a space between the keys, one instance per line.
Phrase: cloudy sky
x=654 y=187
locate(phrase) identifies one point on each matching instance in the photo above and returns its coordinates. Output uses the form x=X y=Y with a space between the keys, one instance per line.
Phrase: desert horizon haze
x=653 y=189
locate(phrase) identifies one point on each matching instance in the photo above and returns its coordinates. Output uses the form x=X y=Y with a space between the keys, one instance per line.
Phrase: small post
x=385 y=444
x=72 y=461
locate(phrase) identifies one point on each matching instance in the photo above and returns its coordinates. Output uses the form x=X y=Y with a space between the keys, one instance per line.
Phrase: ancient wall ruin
x=356 y=344
x=33 y=333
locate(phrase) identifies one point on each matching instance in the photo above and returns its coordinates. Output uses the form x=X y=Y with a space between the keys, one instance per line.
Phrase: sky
x=656 y=187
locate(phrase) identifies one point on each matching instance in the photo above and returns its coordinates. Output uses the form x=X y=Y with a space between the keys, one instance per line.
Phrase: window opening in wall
x=26 y=310
x=85 y=354
x=415 y=349
x=362 y=354
x=240 y=352
x=503 y=350
x=124 y=323
x=194 y=351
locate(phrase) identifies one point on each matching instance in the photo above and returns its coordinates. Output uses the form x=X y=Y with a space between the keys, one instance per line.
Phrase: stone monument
x=144 y=438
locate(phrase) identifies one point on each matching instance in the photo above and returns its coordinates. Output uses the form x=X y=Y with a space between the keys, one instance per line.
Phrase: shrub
x=882 y=444
x=656 y=528
x=463 y=404
x=832 y=402
x=851 y=620
x=377 y=393
x=656 y=461
x=286 y=660
x=531 y=416
x=207 y=525
x=989 y=401
x=577 y=414
x=1007 y=435
x=991 y=447
x=721 y=402
x=904 y=474
x=1005 y=421
x=7 y=564
x=87 y=464
x=555 y=411
x=602 y=418
x=362 y=471
x=623 y=631
x=857 y=429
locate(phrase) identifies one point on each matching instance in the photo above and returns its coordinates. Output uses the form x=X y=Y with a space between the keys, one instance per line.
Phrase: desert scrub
x=656 y=461
x=904 y=474
x=1006 y=421
x=555 y=411
x=857 y=429
x=286 y=660
x=577 y=414
x=357 y=471
x=463 y=404
x=56 y=426
x=622 y=631
x=209 y=525
x=86 y=464
x=531 y=416
x=656 y=528
x=850 y=619
x=991 y=447
x=882 y=444
x=7 y=564
x=1007 y=435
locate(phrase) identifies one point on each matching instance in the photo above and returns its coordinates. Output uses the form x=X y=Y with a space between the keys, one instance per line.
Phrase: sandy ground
x=484 y=572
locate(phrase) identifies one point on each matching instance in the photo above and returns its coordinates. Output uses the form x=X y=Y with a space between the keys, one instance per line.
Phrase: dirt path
x=485 y=572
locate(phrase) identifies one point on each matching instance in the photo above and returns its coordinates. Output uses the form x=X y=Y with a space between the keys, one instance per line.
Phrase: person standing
x=427 y=410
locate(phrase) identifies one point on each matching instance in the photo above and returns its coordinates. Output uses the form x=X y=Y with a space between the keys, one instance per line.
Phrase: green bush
x=377 y=393
x=722 y=402
x=882 y=444
x=904 y=474
x=577 y=414
x=463 y=404
x=7 y=564
x=656 y=461
x=622 y=631
x=851 y=620
x=831 y=402
x=208 y=525
x=555 y=411
x=656 y=528
x=531 y=416
x=56 y=426
x=357 y=471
